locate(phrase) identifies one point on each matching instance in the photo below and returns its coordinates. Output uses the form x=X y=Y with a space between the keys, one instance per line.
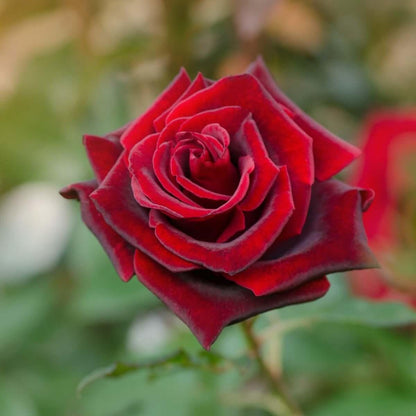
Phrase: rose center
x=205 y=159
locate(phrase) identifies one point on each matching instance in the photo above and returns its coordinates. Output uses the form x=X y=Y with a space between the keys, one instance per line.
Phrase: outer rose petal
x=129 y=219
x=332 y=240
x=208 y=303
x=120 y=252
x=237 y=254
x=103 y=153
x=331 y=154
x=143 y=126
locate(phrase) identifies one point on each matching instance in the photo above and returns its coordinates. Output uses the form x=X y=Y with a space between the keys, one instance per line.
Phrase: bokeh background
x=71 y=67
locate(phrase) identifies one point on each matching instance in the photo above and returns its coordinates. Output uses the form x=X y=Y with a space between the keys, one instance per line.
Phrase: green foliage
x=341 y=356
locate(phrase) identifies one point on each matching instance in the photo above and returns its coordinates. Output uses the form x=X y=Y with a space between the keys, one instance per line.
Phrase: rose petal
x=333 y=240
x=219 y=227
x=228 y=117
x=208 y=303
x=235 y=255
x=248 y=141
x=331 y=154
x=143 y=126
x=199 y=191
x=197 y=84
x=120 y=252
x=114 y=199
x=285 y=142
x=103 y=153
x=161 y=160
x=236 y=224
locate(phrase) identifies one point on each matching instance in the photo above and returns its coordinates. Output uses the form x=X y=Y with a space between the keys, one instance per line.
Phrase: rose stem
x=274 y=381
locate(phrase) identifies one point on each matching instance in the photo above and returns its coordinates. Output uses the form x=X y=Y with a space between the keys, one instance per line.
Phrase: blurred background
x=71 y=67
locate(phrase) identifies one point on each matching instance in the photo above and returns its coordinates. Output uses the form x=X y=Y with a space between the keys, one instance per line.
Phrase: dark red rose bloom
x=220 y=199
x=388 y=166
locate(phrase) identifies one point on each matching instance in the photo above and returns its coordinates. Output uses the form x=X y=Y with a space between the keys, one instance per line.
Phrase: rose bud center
x=205 y=159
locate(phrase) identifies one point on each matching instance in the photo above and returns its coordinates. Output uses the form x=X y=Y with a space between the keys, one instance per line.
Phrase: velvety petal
x=228 y=117
x=103 y=153
x=219 y=176
x=285 y=142
x=248 y=141
x=197 y=84
x=160 y=164
x=150 y=194
x=161 y=160
x=331 y=154
x=199 y=190
x=120 y=252
x=237 y=223
x=208 y=303
x=114 y=200
x=333 y=240
x=235 y=255
x=215 y=228
x=143 y=126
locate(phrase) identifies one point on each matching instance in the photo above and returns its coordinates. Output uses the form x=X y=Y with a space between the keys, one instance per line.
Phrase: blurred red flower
x=388 y=166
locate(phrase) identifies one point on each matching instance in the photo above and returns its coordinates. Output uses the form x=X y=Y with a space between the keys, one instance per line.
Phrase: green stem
x=274 y=380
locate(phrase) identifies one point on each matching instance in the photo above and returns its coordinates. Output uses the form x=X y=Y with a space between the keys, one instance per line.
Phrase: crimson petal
x=120 y=252
x=331 y=154
x=129 y=219
x=143 y=126
x=103 y=153
x=208 y=303
x=197 y=84
x=235 y=255
x=333 y=240
x=228 y=117
x=248 y=141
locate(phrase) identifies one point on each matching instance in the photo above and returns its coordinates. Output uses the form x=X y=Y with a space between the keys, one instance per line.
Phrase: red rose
x=388 y=167
x=219 y=199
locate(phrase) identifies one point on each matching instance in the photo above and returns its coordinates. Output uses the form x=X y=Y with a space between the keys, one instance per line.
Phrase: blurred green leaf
x=368 y=401
x=99 y=294
x=21 y=312
x=339 y=306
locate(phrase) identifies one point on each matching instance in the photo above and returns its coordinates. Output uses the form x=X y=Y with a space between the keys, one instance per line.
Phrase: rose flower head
x=220 y=199
x=388 y=166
